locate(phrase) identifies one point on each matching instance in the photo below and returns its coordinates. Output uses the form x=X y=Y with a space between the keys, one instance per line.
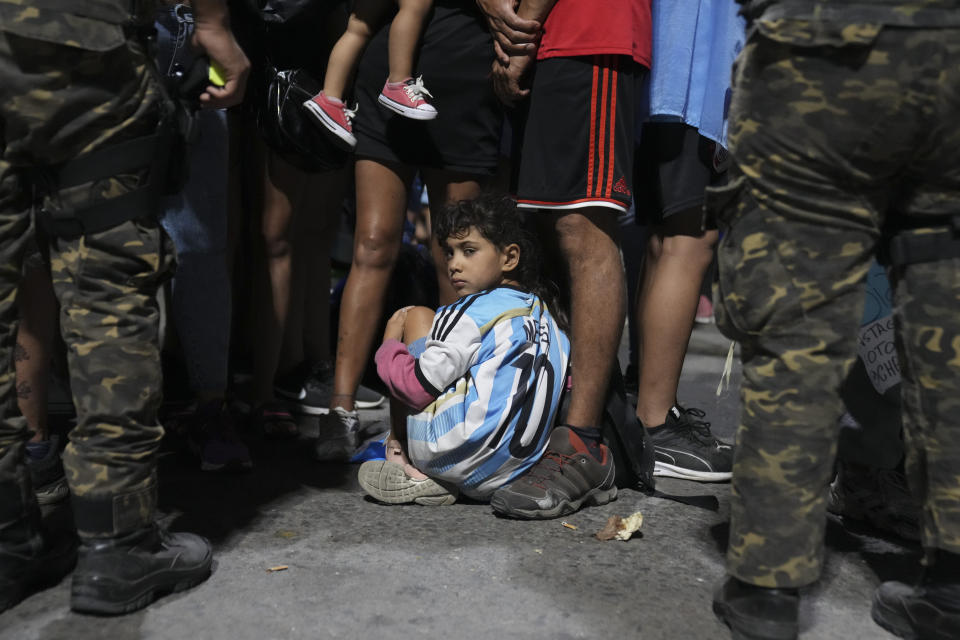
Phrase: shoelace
x=694 y=427
x=551 y=464
x=415 y=90
x=349 y=113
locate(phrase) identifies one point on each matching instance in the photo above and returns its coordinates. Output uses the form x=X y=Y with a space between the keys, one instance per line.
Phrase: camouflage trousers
x=838 y=134
x=58 y=101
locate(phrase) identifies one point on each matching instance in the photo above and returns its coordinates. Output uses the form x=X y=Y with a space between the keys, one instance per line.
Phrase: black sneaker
x=307 y=389
x=120 y=575
x=46 y=474
x=930 y=610
x=685 y=448
x=566 y=478
x=22 y=574
x=757 y=613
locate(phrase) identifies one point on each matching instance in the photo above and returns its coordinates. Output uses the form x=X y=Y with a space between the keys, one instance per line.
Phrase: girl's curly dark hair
x=497 y=219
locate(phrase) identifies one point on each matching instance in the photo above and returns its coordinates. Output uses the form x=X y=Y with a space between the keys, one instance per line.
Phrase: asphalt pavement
x=301 y=553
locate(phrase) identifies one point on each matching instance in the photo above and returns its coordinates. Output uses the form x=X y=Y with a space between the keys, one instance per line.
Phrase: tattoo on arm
x=24 y=390
x=20 y=353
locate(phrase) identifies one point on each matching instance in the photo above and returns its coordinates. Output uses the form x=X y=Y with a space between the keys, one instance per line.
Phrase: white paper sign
x=878 y=351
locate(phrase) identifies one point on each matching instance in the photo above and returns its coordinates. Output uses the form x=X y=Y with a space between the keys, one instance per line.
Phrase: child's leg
x=405 y=35
x=366 y=17
x=416 y=325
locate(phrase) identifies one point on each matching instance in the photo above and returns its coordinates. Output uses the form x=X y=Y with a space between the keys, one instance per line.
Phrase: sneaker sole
x=665 y=470
x=366 y=404
x=407 y=112
x=386 y=482
x=594 y=498
x=330 y=125
x=53 y=493
x=88 y=596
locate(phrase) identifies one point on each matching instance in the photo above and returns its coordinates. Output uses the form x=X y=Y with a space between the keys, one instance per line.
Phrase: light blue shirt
x=694 y=45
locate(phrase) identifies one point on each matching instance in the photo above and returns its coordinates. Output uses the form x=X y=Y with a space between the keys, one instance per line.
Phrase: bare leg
x=283 y=185
x=677 y=257
x=417 y=325
x=38 y=319
x=381 y=202
x=597 y=281
x=405 y=33
x=446 y=188
x=366 y=17
x=307 y=335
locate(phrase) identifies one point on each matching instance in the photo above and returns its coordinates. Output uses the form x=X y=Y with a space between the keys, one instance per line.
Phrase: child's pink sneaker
x=409 y=99
x=334 y=115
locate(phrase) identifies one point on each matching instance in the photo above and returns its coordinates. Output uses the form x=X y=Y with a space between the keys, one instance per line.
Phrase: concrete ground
x=357 y=569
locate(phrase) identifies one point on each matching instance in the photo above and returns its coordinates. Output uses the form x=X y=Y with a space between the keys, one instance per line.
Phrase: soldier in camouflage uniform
x=845 y=132
x=76 y=82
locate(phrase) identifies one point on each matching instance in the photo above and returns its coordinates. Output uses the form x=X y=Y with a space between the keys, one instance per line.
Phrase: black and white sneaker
x=685 y=448
x=308 y=388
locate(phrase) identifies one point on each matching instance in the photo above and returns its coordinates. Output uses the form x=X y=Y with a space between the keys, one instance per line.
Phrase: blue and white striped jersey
x=496 y=363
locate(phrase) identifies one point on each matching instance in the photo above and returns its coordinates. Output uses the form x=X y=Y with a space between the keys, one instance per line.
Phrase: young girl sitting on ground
x=401 y=93
x=483 y=375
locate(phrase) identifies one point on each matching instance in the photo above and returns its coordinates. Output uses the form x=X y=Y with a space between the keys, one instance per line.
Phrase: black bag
x=630 y=446
x=287 y=127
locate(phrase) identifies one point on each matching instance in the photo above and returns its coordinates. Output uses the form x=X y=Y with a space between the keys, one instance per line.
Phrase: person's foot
x=308 y=388
x=46 y=471
x=339 y=436
x=123 y=574
x=930 y=611
x=409 y=98
x=879 y=497
x=24 y=572
x=335 y=117
x=274 y=421
x=685 y=448
x=565 y=479
x=396 y=481
x=757 y=613
x=213 y=438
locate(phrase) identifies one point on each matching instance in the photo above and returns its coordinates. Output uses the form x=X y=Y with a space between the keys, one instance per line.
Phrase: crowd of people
x=581 y=162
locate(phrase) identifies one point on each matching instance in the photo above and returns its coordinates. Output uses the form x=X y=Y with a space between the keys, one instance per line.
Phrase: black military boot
x=30 y=559
x=125 y=573
x=757 y=613
x=930 y=610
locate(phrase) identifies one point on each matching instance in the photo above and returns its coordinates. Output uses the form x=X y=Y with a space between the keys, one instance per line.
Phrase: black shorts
x=576 y=137
x=674 y=166
x=456 y=54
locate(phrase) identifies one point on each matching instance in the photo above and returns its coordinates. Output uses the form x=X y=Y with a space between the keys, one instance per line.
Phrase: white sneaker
x=339 y=436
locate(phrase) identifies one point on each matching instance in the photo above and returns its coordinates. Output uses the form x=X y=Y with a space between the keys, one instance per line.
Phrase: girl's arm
x=397 y=369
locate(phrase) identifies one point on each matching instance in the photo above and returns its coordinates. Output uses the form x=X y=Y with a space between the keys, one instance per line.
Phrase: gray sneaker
x=566 y=478
x=339 y=436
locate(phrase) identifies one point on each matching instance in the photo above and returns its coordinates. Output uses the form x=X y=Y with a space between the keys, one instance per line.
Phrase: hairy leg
x=597 y=281
x=38 y=321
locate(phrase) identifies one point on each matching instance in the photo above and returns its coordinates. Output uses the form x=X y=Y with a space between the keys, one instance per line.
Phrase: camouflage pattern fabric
x=62 y=95
x=837 y=132
x=901 y=13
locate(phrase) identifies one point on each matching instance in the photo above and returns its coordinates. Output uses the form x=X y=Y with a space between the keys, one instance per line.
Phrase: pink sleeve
x=397 y=369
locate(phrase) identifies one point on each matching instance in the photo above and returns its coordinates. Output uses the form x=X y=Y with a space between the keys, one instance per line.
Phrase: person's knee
x=693 y=250
x=418 y=323
x=581 y=235
x=375 y=250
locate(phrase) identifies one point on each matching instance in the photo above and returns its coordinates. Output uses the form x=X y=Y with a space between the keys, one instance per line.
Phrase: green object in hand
x=217 y=74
